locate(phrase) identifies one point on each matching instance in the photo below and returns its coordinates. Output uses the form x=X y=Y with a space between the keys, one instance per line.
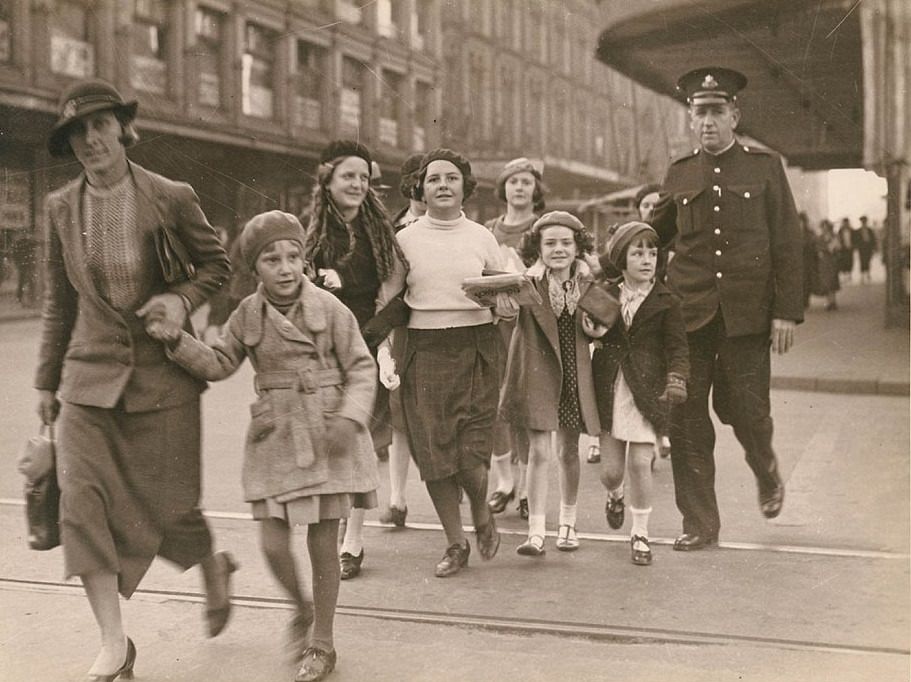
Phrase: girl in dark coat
x=640 y=368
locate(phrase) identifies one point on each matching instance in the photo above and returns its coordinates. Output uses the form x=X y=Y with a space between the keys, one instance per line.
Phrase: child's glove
x=674 y=391
x=388 y=376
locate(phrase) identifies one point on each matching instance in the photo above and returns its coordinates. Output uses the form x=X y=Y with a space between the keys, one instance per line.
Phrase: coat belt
x=305 y=380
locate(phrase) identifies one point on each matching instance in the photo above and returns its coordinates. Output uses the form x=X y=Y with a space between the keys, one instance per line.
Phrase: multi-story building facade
x=238 y=98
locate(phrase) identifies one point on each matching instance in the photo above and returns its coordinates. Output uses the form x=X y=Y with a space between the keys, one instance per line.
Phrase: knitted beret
x=341 y=148
x=520 y=165
x=265 y=228
x=443 y=154
x=623 y=236
x=558 y=218
x=644 y=191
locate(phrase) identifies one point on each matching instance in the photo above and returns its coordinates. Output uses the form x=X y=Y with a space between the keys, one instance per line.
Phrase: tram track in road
x=615 y=634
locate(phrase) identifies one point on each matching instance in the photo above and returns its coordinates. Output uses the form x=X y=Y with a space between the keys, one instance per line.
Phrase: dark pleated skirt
x=449 y=398
x=130 y=488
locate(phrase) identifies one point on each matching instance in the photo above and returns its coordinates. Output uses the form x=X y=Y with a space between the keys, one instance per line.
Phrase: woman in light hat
x=128 y=429
x=548 y=388
x=449 y=371
x=521 y=188
x=640 y=368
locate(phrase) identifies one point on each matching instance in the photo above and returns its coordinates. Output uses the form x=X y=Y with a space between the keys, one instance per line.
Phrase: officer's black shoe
x=690 y=542
x=770 y=502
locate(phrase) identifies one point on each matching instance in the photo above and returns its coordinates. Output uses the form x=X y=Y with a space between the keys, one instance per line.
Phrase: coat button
x=718 y=275
x=716 y=208
x=716 y=188
x=746 y=195
x=717 y=252
x=686 y=201
x=717 y=169
x=717 y=230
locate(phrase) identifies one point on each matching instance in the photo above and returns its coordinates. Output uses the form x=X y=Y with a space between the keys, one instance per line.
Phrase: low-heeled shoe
x=770 y=502
x=640 y=557
x=614 y=511
x=689 y=542
x=350 y=565
x=125 y=671
x=498 y=501
x=316 y=665
x=488 y=540
x=453 y=561
x=533 y=546
x=217 y=616
x=523 y=508
x=395 y=516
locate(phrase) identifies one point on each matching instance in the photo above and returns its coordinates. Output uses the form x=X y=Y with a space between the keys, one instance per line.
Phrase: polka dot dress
x=569 y=411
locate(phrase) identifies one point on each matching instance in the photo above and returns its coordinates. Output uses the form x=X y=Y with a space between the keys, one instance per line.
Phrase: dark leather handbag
x=42 y=496
x=173 y=256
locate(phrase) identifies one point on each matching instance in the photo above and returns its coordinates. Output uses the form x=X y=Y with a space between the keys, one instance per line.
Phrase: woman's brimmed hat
x=265 y=228
x=623 y=236
x=563 y=218
x=81 y=99
x=520 y=165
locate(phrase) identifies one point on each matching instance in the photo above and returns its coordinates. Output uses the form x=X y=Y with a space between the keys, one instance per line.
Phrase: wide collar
x=72 y=232
x=314 y=309
x=544 y=313
x=657 y=300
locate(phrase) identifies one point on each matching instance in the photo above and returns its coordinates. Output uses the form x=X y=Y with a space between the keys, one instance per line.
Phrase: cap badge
x=709 y=82
x=69 y=109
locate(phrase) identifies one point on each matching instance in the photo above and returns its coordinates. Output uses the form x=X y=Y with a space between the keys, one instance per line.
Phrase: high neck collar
x=719 y=153
x=444 y=224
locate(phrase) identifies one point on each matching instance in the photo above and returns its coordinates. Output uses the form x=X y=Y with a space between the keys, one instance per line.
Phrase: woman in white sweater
x=449 y=370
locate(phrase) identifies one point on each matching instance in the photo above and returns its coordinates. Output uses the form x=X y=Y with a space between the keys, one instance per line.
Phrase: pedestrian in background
x=128 y=430
x=350 y=250
x=826 y=247
x=548 y=390
x=308 y=457
x=845 y=249
x=640 y=367
x=449 y=372
x=865 y=243
x=728 y=210
x=521 y=187
x=24 y=255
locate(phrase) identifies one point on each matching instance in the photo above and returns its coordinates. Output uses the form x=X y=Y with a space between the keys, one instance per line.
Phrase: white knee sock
x=536 y=525
x=640 y=521
x=354 y=533
x=568 y=515
x=502 y=468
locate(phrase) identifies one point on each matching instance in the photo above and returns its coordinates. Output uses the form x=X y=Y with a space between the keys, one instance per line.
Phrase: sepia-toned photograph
x=455 y=340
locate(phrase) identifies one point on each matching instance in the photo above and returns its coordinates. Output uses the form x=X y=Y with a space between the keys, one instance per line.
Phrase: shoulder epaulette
x=689 y=155
x=757 y=150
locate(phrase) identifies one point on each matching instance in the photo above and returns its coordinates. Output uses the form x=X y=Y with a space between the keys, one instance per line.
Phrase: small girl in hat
x=308 y=454
x=640 y=369
x=548 y=389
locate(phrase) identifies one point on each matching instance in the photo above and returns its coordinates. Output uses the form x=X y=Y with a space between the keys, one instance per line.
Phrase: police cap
x=711 y=85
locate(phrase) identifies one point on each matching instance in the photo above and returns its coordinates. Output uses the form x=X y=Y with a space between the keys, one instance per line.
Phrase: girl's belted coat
x=530 y=395
x=303 y=378
x=654 y=346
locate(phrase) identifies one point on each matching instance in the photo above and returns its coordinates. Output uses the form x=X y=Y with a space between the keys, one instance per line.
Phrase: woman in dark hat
x=351 y=249
x=128 y=419
x=449 y=372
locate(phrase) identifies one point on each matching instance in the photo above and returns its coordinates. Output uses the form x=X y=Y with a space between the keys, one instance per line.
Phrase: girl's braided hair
x=325 y=218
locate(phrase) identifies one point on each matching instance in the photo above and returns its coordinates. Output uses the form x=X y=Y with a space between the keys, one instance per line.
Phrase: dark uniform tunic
x=737 y=240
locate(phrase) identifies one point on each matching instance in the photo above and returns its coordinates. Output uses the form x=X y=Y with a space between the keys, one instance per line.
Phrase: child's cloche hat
x=265 y=228
x=623 y=236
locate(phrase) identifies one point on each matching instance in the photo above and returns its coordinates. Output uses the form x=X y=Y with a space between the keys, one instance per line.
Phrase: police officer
x=727 y=212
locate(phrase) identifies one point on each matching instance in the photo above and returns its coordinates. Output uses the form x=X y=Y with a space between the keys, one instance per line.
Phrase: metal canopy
x=802 y=58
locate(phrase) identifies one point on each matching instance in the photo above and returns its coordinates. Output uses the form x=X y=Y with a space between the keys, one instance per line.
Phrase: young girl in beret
x=308 y=455
x=548 y=388
x=640 y=369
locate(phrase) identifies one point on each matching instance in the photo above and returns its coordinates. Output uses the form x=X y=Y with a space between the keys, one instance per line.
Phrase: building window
x=258 y=72
x=391 y=18
x=6 y=32
x=480 y=107
x=352 y=88
x=209 y=41
x=311 y=61
x=390 y=107
x=423 y=115
x=149 y=61
x=348 y=11
x=72 y=39
x=420 y=24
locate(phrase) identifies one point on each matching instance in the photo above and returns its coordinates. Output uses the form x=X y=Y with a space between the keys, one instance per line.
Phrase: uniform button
x=746 y=195
x=717 y=169
x=718 y=275
x=716 y=208
x=686 y=201
x=717 y=230
x=746 y=149
x=716 y=188
x=718 y=252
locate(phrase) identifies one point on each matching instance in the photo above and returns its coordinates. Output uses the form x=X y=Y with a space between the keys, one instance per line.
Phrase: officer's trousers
x=736 y=370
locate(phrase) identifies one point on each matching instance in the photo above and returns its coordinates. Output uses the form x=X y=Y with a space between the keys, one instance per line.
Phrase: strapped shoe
x=533 y=546
x=770 y=502
x=395 y=516
x=316 y=665
x=640 y=557
x=498 y=501
x=594 y=454
x=613 y=510
x=488 y=540
x=350 y=564
x=567 y=541
x=455 y=559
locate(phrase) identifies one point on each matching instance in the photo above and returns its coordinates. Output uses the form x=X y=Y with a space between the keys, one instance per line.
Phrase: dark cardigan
x=654 y=346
